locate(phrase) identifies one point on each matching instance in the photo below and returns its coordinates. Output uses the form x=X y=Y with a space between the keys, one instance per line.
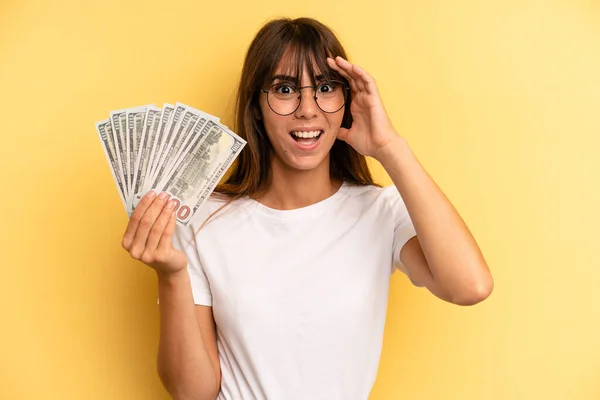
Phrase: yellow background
x=500 y=100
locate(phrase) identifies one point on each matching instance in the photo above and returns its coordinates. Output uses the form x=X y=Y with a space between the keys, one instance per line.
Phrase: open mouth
x=306 y=137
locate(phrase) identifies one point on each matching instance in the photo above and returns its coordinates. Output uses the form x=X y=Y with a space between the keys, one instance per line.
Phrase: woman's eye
x=285 y=89
x=325 y=88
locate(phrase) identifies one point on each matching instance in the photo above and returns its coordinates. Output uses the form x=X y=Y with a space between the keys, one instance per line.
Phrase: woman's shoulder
x=370 y=191
x=386 y=196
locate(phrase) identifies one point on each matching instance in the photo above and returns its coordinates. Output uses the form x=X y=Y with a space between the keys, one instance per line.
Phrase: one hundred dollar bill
x=222 y=165
x=105 y=133
x=135 y=124
x=196 y=135
x=150 y=126
x=195 y=176
x=167 y=140
x=118 y=120
x=165 y=119
x=188 y=125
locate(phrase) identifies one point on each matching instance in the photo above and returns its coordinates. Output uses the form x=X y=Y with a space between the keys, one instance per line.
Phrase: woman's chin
x=306 y=163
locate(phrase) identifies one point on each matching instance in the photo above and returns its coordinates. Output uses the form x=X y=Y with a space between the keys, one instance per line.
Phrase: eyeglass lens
x=284 y=98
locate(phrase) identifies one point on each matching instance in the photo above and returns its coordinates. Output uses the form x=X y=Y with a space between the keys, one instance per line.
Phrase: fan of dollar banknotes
x=177 y=149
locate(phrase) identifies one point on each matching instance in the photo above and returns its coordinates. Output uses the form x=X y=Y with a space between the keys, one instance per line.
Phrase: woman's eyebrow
x=286 y=78
x=293 y=79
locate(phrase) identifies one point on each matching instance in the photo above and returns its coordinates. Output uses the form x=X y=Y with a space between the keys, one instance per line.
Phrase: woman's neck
x=289 y=189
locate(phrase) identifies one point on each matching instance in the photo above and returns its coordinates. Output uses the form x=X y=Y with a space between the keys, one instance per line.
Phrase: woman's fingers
x=358 y=78
x=166 y=253
x=347 y=67
x=149 y=234
x=145 y=224
x=156 y=232
x=135 y=219
x=166 y=240
x=369 y=82
x=342 y=72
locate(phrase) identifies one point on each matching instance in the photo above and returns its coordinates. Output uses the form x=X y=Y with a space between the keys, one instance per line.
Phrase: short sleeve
x=403 y=226
x=184 y=240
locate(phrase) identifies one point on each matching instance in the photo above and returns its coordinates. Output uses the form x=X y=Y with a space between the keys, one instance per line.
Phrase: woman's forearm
x=184 y=365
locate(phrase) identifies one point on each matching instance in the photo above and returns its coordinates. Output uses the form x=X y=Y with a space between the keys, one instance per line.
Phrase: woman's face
x=286 y=133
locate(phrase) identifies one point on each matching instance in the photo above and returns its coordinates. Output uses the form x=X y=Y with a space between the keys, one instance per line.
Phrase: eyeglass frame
x=314 y=88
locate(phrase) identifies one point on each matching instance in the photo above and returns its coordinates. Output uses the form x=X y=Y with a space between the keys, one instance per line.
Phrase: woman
x=282 y=294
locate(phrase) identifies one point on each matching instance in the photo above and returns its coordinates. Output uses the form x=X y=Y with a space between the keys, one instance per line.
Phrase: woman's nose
x=308 y=107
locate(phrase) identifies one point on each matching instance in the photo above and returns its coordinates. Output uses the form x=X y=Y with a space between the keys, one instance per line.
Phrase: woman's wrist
x=172 y=277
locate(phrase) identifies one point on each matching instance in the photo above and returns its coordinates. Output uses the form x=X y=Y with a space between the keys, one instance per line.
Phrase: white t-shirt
x=299 y=296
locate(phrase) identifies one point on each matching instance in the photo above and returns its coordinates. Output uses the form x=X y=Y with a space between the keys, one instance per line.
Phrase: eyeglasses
x=284 y=97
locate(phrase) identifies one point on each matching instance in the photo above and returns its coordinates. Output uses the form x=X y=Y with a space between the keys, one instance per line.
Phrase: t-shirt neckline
x=302 y=212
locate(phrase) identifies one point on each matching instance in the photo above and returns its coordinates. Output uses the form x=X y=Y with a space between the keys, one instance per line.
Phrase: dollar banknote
x=150 y=123
x=118 y=120
x=196 y=174
x=165 y=120
x=135 y=123
x=177 y=149
x=166 y=139
x=188 y=126
x=105 y=133
x=183 y=126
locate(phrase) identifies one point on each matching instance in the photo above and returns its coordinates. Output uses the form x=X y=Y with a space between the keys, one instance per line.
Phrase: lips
x=307 y=139
x=306 y=132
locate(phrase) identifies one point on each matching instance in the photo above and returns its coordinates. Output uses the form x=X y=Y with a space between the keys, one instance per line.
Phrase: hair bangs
x=305 y=48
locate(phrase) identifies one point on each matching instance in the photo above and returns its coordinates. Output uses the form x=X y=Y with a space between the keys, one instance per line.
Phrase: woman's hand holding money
x=149 y=234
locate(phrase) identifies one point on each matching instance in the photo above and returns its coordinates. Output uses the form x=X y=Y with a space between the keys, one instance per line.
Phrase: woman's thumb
x=342 y=134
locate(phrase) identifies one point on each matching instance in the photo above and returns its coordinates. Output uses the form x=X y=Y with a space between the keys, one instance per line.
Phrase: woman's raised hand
x=371 y=128
x=149 y=234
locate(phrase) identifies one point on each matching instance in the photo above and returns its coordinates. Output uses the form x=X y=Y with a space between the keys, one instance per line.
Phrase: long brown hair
x=308 y=43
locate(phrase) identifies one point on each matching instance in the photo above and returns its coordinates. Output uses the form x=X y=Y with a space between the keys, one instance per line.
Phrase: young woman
x=282 y=294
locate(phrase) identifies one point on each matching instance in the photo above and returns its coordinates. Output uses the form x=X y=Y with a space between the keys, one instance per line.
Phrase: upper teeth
x=310 y=134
